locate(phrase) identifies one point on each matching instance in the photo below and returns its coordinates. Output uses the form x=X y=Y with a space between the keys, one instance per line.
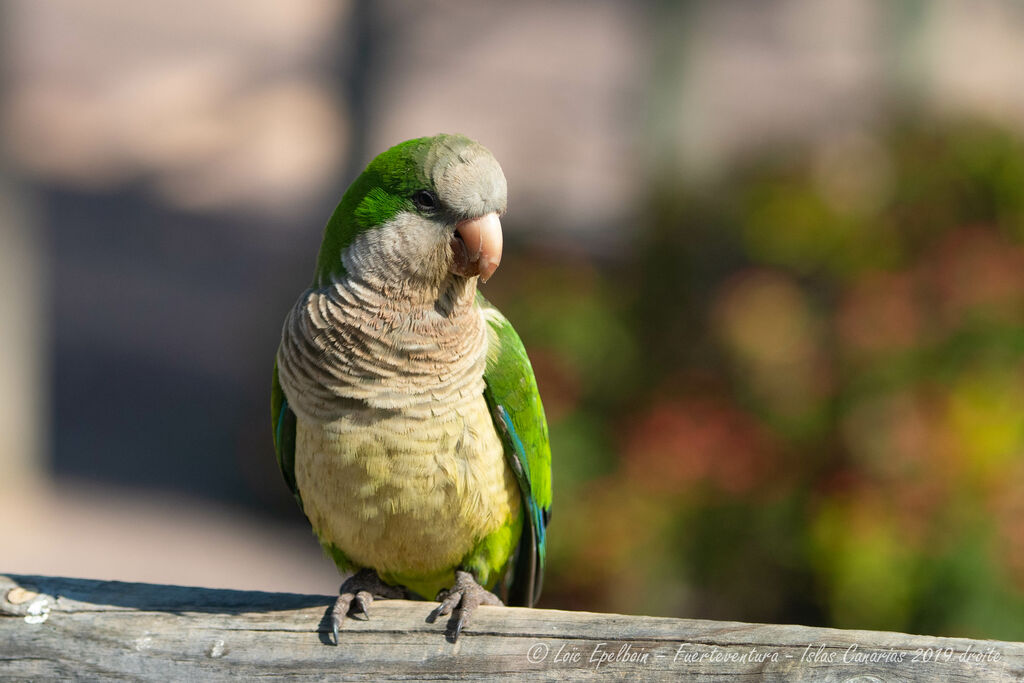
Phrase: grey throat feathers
x=397 y=332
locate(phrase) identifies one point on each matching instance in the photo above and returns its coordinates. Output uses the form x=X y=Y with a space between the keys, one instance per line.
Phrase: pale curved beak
x=477 y=246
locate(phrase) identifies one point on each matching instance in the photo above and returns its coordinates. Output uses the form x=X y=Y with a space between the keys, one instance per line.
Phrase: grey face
x=467 y=177
x=457 y=233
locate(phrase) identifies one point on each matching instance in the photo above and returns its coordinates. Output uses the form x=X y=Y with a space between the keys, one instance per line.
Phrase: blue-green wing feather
x=515 y=404
x=283 y=423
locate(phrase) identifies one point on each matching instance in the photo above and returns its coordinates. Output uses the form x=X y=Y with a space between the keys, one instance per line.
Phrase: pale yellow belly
x=403 y=496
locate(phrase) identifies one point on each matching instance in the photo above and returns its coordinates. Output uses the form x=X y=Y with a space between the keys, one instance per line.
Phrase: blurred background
x=767 y=257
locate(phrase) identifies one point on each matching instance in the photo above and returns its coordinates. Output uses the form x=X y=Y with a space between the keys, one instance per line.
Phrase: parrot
x=406 y=417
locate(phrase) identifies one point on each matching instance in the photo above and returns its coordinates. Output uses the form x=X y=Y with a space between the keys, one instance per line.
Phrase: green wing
x=518 y=415
x=283 y=422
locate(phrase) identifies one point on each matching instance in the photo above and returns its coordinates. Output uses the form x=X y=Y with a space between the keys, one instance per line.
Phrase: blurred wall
x=24 y=359
x=167 y=170
x=173 y=153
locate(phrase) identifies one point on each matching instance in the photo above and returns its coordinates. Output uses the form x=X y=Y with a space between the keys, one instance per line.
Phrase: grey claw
x=364 y=599
x=466 y=595
x=356 y=595
x=458 y=625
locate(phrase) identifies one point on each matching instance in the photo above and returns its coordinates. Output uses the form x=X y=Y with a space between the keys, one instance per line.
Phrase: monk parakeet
x=406 y=416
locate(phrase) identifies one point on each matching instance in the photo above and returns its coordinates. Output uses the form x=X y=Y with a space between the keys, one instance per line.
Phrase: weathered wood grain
x=72 y=628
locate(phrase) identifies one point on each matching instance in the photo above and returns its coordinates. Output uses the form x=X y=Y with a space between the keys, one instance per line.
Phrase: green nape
x=487 y=561
x=379 y=193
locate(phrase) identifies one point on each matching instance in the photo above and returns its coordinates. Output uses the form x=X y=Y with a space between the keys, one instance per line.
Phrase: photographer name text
x=604 y=654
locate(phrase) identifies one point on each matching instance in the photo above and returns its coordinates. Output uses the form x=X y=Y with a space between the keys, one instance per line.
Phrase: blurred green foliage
x=802 y=398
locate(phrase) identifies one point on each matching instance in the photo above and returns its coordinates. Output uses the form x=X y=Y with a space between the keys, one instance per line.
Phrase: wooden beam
x=53 y=627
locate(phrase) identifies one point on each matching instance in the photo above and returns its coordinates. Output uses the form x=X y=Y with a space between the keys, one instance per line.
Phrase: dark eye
x=425 y=200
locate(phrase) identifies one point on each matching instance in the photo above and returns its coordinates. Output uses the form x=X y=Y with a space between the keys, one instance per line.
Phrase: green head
x=423 y=210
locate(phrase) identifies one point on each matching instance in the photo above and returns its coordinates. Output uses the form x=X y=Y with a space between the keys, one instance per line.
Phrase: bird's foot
x=466 y=595
x=357 y=594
